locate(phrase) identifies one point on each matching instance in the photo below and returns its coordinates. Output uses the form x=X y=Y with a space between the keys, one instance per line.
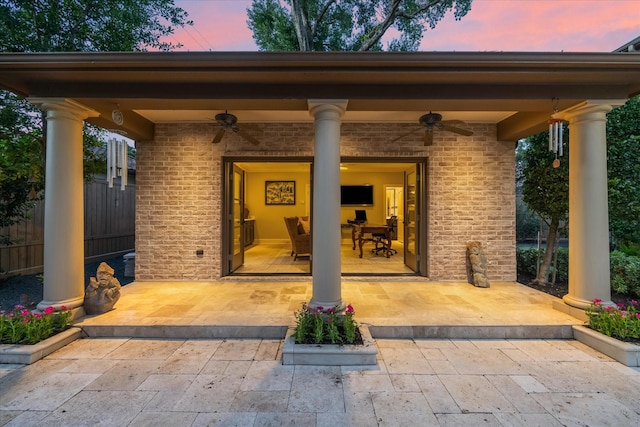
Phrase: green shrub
x=625 y=273
x=526 y=263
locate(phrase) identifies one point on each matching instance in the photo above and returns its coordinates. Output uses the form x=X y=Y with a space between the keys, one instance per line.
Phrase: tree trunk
x=543 y=272
x=301 y=25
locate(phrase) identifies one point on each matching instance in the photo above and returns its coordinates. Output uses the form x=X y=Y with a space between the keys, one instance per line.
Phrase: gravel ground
x=27 y=290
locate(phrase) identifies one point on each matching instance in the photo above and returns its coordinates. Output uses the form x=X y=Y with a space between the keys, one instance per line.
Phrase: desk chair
x=378 y=239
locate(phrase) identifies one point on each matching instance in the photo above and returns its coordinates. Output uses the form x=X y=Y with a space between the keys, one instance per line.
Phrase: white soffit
x=264 y=116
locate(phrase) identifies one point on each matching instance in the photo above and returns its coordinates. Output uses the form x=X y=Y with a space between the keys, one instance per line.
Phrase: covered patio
x=183 y=241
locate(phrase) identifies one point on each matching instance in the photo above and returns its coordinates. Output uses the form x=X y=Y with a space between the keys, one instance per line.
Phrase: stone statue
x=103 y=291
x=476 y=265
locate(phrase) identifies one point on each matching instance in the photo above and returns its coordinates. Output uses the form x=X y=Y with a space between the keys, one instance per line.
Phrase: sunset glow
x=491 y=25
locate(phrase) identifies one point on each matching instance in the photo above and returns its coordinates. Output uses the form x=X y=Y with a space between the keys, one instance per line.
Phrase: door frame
x=421 y=165
x=228 y=165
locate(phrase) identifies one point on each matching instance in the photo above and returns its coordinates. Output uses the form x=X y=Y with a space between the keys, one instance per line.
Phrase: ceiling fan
x=433 y=121
x=230 y=122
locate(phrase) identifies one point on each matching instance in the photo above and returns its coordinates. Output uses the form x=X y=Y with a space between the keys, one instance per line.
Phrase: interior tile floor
x=276 y=258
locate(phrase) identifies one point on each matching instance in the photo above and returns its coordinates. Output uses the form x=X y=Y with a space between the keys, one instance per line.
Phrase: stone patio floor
x=160 y=381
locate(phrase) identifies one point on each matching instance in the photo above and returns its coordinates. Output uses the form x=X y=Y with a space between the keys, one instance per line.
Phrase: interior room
x=375 y=190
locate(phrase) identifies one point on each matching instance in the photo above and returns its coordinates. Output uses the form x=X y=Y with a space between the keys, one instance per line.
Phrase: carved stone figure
x=103 y=291
x=477 y=265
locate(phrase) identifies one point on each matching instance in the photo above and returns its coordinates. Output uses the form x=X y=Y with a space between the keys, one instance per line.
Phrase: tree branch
x=383 y=27
x=324 y=10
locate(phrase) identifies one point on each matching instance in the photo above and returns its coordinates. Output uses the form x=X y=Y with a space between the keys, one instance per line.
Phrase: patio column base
x=582 y=304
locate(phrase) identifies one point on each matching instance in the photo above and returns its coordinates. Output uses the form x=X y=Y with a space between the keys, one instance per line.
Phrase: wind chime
x=117 y=152
x=556 y=127
x=117 y=161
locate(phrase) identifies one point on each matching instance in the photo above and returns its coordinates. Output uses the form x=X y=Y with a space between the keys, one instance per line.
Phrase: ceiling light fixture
x=117 y=116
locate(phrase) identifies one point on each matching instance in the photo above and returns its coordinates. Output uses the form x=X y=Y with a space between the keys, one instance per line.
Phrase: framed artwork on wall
x=279 y=192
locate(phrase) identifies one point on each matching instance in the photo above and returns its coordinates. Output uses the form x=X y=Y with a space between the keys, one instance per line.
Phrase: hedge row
x=624 y=269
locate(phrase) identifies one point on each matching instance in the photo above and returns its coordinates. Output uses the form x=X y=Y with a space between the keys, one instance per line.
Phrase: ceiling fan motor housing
x=430 y=119
x=226 y=119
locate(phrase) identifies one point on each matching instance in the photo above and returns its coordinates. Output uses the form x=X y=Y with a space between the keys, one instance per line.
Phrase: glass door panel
x=237 y=219
x=411 y=212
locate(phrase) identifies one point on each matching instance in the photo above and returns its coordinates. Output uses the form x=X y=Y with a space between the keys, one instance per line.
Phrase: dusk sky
x=491 y=25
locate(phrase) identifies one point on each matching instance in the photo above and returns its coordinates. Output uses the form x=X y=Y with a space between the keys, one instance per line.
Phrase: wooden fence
x=109 y=229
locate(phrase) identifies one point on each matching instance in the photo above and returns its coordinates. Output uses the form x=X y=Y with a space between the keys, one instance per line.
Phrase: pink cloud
x=491 y=25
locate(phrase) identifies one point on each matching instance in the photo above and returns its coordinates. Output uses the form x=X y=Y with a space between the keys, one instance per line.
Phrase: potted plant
x=328 y=337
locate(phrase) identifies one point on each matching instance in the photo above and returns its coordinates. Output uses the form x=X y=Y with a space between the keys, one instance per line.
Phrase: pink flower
x=37 y=316
x=637 y=315
x=25 y=312
x=48 y=310
x=608 y=308
x=620 y=305
x=633 y=302
x=597 y=301
x=63 y=307
x=331 y=310
x=329 y=320
x=19 y=307
x=350 y=309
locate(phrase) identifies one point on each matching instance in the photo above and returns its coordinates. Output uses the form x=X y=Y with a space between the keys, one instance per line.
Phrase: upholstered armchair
x=300 y=235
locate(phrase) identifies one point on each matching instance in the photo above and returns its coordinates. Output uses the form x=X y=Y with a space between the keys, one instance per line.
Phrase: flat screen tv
x=356 y=195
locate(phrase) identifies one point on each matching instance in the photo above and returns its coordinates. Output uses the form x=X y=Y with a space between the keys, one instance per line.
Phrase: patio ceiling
x=514 y=90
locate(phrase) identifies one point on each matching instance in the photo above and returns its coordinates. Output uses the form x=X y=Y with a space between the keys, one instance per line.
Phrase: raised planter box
x=625 y=353
x=330 y=354
x=26 y=354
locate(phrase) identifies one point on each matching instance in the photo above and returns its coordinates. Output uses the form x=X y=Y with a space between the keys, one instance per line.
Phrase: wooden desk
x=359 y=230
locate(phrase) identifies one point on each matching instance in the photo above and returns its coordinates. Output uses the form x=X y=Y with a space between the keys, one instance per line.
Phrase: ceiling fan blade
x=247 y=137
x=457 y=130
x=218 y=137
x=405 y=134
x=428 y=137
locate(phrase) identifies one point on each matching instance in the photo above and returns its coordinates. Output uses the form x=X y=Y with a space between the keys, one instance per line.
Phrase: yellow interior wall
x=376 y=213
x=269 y=220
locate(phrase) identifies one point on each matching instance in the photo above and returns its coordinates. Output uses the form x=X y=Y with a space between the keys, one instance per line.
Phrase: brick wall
x=471 y=193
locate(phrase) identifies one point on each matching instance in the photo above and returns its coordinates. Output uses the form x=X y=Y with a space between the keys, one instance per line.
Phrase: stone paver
x=165 y=382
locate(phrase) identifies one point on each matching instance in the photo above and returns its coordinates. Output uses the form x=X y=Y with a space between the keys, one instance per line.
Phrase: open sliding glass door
x=411 y=228
x=236 y=218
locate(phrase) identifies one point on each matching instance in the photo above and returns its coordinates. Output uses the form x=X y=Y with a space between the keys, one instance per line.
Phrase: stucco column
x=588 y=205
x=63 y=203
x=326 y=237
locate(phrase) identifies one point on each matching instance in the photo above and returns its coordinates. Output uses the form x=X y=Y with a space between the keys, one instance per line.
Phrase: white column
x=63 y=203
x=588 y=205
x=326 y=237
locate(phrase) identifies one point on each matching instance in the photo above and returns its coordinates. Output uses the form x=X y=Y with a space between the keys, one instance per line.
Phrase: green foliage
x=88 y=25
x=527 y=222
x=623 y=152
x=56 y=26
x=346 y=25
x=545 y=189
x=319 y=326
x=625 y=273
x=21 y=158
x=526 y=260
